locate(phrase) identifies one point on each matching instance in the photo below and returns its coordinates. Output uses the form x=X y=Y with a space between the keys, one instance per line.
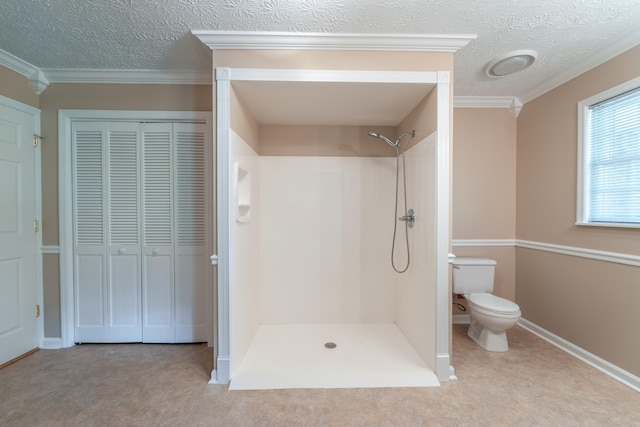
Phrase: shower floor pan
x=365 y=355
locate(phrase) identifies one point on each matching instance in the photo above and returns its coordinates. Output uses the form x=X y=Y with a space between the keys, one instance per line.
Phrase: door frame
x=35 y=113
x=65 y=200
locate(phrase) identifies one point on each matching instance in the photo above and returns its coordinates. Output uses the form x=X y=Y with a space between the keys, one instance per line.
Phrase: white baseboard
x=51 y=343
x=221 y=375
x=615 y=372
x=461 y=319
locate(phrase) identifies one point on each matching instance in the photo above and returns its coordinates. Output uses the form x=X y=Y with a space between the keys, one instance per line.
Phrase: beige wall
x=587 y=302
x=484 y=173
x=339 y=141
x=17 y=87
x=92 y=97
x=423 y=119
x=243 y=122
x=334 y=60
x=547 y=159
x=484 y=189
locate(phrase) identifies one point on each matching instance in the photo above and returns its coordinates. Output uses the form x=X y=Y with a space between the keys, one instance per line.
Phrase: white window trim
x=583 y=110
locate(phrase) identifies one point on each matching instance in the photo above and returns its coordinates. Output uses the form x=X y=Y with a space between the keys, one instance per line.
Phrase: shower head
x=388 y=141
x=384 y=138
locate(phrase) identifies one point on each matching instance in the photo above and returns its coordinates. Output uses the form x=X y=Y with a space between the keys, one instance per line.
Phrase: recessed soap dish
x=243 y=193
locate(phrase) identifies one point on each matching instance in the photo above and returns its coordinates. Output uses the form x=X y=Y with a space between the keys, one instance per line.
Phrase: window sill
x=608 y=224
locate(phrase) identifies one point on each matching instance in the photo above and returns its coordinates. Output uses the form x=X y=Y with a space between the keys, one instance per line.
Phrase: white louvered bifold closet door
x=192 y=230
x=141 y=224
x=107 y=232
x=158 y=266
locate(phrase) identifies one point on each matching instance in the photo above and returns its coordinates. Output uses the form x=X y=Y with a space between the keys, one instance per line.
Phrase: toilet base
x=486 y=338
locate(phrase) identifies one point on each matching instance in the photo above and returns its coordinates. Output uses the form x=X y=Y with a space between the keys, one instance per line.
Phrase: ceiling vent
x=510 y=63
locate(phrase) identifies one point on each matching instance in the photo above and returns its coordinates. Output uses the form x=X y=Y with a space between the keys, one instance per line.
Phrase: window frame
x=583 y=124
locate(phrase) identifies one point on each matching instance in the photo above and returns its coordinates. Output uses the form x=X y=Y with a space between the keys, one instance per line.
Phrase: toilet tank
x=473 y=275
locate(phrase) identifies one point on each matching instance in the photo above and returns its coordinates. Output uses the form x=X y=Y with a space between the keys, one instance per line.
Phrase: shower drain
x=330 y=345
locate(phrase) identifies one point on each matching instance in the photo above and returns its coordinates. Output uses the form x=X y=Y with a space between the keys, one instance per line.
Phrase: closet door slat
x=190 y=187
x=88 y=147
x=123 y=187
x=157 y=187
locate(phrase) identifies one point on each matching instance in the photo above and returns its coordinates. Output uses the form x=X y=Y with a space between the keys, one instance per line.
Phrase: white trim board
x=51 y=343
x=176 y=77
x=512 y=103
x=482 y=242
x=330 y=76
x=615 y=257
x=37 y=79
x=461 y=319
x=597 y=362
x=333 y=41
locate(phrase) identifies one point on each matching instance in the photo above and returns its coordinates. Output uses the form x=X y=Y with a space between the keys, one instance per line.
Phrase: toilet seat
x=491 y=304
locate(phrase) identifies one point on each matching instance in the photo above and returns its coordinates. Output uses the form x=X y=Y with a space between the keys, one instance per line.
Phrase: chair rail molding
x=607 y=256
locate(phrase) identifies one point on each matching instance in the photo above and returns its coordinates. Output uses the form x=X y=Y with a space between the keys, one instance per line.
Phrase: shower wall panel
x=415 y=297
x=244 y=291
x=325 y=234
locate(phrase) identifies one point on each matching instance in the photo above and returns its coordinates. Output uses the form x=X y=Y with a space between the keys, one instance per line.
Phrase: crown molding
x=614 y=49
x=117 y=76
x=512 y=103
x=38 y=80
x=263 y=40
x=482 y=101
x=16 y=64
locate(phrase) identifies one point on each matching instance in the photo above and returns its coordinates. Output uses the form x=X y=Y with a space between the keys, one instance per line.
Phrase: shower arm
x=411 y=132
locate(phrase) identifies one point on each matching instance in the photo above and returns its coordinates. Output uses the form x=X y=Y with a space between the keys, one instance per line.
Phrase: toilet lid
x=493 y=303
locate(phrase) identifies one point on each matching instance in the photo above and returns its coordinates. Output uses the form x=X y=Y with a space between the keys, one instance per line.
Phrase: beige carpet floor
x=534 y=384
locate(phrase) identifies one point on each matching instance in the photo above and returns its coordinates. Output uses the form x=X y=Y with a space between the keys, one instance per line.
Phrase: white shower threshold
x=365 y=355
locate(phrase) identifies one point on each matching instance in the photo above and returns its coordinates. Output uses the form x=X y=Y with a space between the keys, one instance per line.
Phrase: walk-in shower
x=303 y=232
x=409 y=215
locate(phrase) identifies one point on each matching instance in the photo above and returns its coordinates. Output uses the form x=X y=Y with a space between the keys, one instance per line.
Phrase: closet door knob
x=155 y=251
x=122 y=251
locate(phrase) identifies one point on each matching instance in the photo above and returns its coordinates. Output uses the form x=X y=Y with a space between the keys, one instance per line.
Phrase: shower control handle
x=410 y=218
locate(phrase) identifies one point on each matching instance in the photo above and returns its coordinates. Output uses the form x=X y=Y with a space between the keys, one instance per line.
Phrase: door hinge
x=36 y=140
x=37 y=310
x=36 y=225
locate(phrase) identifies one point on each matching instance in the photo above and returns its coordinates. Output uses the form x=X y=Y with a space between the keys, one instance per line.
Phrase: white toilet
x=490 y=315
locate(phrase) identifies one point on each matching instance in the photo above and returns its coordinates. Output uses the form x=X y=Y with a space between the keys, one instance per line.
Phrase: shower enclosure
x=303 y=253
x=306 y=295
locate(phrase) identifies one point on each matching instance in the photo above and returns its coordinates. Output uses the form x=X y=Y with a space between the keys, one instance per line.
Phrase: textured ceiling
x=155 y=34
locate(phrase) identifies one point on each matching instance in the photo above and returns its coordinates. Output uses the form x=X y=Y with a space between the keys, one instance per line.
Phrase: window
x=609 y=157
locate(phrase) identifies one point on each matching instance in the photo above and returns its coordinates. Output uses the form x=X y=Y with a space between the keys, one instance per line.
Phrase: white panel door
x=158 y=255
x=18 y=330
x=192 y=231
